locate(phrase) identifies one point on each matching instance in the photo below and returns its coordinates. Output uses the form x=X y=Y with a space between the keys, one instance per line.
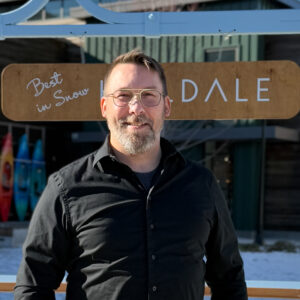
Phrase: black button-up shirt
x=118 y=241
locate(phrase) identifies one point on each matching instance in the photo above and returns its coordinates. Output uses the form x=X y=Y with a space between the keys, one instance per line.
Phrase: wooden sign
x=199 y=91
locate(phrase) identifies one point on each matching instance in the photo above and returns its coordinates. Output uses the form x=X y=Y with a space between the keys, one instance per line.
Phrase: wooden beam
x=255 y=292
x=7 y=286
x=274 y=293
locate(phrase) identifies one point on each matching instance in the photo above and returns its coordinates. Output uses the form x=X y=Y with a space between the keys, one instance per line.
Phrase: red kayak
x=6 y=177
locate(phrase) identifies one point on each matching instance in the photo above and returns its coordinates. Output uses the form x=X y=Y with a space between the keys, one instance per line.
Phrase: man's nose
x=135 y=105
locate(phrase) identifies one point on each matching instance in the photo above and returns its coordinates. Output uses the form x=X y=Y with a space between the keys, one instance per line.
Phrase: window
x=221 y=54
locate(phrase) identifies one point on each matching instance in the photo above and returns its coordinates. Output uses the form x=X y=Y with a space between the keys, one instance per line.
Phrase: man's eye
x=123 y=96
x=150 y=94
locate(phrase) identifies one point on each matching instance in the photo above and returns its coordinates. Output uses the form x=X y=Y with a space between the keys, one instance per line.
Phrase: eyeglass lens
x=148 y=98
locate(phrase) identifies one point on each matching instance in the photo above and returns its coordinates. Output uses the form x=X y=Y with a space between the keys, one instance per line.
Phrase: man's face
x=134 y=128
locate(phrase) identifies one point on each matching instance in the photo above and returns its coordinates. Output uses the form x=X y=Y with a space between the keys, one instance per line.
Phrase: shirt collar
x=168 y=151
x=104 y=151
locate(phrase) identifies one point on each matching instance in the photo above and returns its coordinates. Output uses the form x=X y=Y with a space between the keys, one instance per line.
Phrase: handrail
x=256 y=289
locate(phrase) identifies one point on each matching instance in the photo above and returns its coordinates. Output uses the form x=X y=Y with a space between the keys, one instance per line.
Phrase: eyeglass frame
x=139 y=98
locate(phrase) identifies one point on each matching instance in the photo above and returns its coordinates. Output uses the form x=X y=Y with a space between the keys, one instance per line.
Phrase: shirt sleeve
x=224 y=266
x=45 y=250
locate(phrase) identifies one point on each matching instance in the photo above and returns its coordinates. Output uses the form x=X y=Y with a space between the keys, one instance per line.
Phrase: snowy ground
x=274 y=266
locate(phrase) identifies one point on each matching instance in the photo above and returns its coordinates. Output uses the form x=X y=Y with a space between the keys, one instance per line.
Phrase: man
x=133 y=220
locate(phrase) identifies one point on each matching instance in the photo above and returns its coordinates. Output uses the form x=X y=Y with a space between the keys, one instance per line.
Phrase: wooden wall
x=282 y=202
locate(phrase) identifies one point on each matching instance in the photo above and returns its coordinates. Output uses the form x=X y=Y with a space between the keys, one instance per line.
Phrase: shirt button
x=152 y=226
x=154 y=288
x=153 y=256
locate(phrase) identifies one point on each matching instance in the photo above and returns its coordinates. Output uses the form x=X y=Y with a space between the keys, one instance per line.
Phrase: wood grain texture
x=200 y=91
x=252 y=292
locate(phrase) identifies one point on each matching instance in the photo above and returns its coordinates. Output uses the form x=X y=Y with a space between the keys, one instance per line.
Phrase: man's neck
x=143 y=162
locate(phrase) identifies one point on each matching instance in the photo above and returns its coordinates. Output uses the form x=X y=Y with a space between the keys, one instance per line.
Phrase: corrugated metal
x=173 y=49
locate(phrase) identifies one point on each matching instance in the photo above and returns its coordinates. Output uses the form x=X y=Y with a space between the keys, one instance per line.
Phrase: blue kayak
x=38 y=174
x=22 y=178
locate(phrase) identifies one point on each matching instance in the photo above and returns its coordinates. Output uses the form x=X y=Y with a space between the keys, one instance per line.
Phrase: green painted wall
x=246 y=185
x=172 y=49
x=246 y=181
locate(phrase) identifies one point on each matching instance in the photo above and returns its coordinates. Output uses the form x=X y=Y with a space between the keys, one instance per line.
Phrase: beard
x=136 y=142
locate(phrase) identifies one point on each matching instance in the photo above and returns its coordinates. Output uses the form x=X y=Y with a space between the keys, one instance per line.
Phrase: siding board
x=282 y=199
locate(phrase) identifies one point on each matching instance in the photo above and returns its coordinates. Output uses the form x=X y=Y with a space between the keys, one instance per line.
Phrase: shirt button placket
x=153 y=258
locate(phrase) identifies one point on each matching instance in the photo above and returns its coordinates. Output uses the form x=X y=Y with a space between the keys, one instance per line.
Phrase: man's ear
x=167 y=104
x=103 y=106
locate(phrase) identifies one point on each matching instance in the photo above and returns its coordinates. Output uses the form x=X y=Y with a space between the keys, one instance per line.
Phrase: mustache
x=135 y=120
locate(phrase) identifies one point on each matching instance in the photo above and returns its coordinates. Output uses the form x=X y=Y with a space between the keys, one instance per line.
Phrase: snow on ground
x=274 y=266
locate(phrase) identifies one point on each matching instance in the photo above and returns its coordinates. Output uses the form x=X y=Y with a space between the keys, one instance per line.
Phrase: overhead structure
x=151 y=24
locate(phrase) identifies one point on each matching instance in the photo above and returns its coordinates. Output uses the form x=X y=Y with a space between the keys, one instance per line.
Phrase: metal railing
x=256 y=289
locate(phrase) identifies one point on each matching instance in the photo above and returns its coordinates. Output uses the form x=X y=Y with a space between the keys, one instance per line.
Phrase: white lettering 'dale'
x=237 y=91
x=260 y=89
x=184 y=81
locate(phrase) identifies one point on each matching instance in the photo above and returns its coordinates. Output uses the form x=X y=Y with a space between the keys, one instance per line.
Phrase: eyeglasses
x=148 y=97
